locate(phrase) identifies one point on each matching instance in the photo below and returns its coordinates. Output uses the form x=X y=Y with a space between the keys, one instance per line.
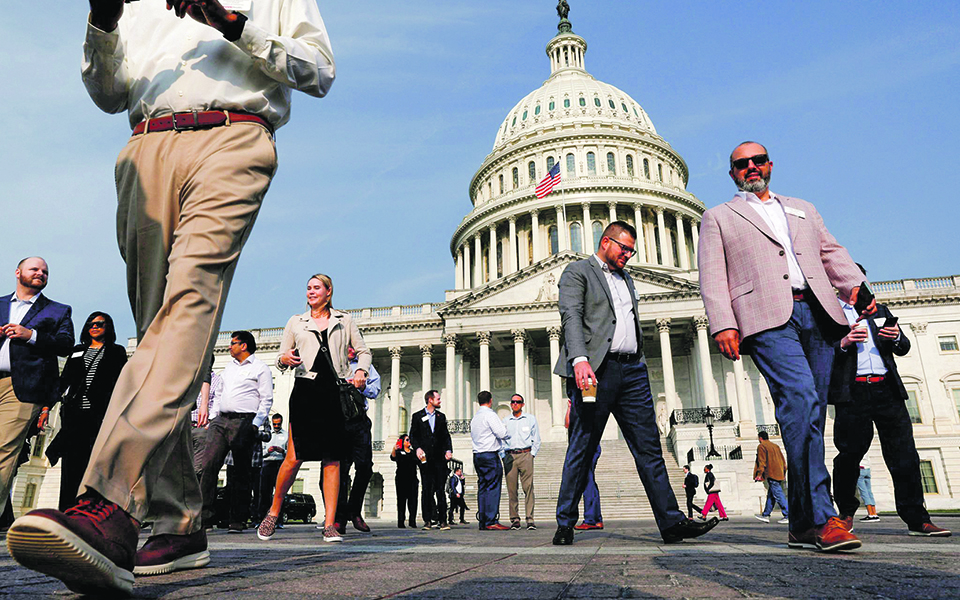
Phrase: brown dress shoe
x=166 y=553
x=804 y=539
x=847 y=522
x=928 y=529
x=360 y=525
x=833 y=536
x=90 y=547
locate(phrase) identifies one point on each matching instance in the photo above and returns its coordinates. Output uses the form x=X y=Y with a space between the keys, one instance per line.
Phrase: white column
x=562 y=230
x=467 y=274
x=666 y=253
x=669 y=386
x=558 y=403
x=588 y=241
x=450 y=374
x=613 y=211
x=458 y=276
x=682 y=244
x=427 y=351
x=519 y=362
x=641 y=255
x=483 y=337
x=492 y=253
x=510 y=264
x=459 y=375
x=706 y=366
x=695 y=234
x=535 y=232
x=748 y=420
x=393 y=415
x=478 y=266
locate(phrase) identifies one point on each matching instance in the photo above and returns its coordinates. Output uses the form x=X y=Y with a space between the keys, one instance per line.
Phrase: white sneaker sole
x=938 y=534
x=46 y=546
x=191 y=561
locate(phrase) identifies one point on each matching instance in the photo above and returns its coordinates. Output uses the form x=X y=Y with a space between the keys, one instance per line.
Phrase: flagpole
x=563 y=200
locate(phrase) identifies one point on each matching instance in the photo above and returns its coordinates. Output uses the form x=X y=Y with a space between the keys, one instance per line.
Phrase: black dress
x=406 y=482
x=316 y=422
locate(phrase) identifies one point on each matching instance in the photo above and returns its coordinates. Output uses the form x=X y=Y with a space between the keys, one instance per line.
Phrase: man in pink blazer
x=768 y=269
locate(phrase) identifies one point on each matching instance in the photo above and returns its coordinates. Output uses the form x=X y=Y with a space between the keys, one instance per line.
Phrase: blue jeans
x=775 y=496
x=623 y=391
x=591 y=494
x=489 y=474
x=865 y=489
x=796 y=361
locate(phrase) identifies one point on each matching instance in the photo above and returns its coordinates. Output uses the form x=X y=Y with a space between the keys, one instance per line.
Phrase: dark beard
x=28 y=283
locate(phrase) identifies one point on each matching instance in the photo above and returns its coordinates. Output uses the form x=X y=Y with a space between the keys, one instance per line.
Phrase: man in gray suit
x=602 y=360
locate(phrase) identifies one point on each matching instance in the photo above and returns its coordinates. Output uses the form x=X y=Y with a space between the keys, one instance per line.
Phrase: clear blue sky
x=857 y=103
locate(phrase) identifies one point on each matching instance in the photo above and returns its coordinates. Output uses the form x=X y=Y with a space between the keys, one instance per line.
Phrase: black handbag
x=352 y=402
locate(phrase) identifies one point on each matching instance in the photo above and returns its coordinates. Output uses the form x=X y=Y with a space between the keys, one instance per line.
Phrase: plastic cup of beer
x=589 y=393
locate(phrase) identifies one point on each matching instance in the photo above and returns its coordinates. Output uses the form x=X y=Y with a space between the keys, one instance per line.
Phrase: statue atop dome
x=563 y=9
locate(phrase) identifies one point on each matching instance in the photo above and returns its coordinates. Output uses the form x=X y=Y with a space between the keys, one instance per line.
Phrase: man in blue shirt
x=360 y=454
x=520 y=449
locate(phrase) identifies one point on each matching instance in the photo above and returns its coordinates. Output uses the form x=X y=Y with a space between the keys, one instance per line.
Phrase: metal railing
x=378 y=445
x=461 y=426
x=771 y=429
x=699 y=453
x=699 y=415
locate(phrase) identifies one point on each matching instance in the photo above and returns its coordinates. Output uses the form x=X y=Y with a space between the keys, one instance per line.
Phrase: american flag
x=547 y=184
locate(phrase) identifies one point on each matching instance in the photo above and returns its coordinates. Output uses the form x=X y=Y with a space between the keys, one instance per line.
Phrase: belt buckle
x=195 y=125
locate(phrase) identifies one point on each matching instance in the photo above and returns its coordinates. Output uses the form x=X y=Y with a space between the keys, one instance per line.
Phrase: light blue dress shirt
x=523 y=433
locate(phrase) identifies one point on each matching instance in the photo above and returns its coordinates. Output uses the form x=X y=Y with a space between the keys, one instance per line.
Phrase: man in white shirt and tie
x=488 y=433
x=519 y=451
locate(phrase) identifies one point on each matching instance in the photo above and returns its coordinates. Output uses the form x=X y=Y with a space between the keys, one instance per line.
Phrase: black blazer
x=74 y=377
x=845 y=361
x=691 y=481
x=34 y=367
x=434 y=443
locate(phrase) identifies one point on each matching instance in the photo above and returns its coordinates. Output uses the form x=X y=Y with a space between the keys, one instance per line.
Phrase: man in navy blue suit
x=34 y=331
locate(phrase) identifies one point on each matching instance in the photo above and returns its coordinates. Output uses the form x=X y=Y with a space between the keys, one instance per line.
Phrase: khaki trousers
x=15 y=420
x=519 y=466
x=187 y=203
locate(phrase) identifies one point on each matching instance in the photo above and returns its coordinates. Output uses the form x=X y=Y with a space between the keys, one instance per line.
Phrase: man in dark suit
x=866 y=390
x=602 y=359
x=431 y=442
x=690 y=484
x=34 y=331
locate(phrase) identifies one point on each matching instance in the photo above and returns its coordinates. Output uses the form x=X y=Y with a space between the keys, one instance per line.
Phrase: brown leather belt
x=521 y=451
x=870 y=378
x=188 y=121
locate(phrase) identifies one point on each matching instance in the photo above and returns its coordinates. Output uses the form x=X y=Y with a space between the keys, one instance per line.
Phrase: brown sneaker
x=847 y=522
x=806 y=539
x=90 y=547
x=928 y=529
x=267 y=527
x=833 y=536
x=166 y=553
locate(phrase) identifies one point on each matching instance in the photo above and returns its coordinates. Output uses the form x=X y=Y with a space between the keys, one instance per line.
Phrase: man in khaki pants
x=519 y=450
x=205 y=83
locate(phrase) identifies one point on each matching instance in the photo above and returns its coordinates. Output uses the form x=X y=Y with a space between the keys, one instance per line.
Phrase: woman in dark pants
x=406 y=480
x=86 y=385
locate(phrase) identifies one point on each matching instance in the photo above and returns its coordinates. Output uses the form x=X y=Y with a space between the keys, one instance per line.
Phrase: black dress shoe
x=563 y=536
x=687 y=528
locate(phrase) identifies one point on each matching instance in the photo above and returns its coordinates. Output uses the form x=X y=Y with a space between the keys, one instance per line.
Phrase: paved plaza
x=742 y=558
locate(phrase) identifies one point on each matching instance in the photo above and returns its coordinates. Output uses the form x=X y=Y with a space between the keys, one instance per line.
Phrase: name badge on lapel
x=237 y=5
x=795 y=212
x=77 y=354
x=425 y=418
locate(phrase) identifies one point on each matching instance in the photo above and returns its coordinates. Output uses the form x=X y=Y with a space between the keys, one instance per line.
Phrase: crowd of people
x=190 y=182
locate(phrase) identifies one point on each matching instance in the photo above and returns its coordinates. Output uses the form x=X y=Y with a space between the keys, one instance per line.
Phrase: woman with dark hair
x=406 y=480
x=86 y=385
x=713 y=494
x=315 y=345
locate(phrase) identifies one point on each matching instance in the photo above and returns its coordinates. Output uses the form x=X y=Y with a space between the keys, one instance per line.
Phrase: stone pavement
x=742 y=558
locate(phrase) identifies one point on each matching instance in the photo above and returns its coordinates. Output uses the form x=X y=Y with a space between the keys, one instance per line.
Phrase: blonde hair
x=328 y=283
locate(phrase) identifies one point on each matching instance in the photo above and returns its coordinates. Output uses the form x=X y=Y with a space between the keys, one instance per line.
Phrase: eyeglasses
x=624 y=249
x=97 y=324
x=516 y=402
x=758 y=160
x=235 y=343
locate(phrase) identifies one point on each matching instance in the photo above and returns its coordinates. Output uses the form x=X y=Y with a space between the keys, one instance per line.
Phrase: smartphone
x=891 y=321
x=296 y=352
x=864 y=298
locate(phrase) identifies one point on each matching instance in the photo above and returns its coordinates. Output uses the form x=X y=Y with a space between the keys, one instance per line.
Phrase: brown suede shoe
x=833 y=536
x=847 y=523
x=166 y=553
x=805 y=539
x=90 y=547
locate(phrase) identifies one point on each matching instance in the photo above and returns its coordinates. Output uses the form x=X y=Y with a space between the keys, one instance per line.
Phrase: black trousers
x=877 y=404
x=407 y=500
x=433 y=475
x=268 y=481
x=233 y=432
x=690 y=505
x=359 y=453
x=456 y=503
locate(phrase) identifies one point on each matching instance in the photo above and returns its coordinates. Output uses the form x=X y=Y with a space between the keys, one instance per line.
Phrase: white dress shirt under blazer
x=247 y=388
x=772 y=213
x=487 y=431
x=18 y=310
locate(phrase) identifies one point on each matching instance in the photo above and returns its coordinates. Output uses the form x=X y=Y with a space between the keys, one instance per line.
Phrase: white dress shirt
x=773 y=215
x=247 y=388
x=278 y=439
x=523 y=432
x=869 y=361
x=154 y=64
x=625 y=332
x=487 y=431
x=18 y=310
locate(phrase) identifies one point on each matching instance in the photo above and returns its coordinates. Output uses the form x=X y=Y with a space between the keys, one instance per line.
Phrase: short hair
x=276 y=416
x=484 y=397
x=862 y=270
x=23 y=260
x=522 y=401
x=245 y=337
x=109 y=333
x=687 y=467
x=328 y=283
x=765 y=151
x=763 y=435
x=430 y=394
x=614 y=229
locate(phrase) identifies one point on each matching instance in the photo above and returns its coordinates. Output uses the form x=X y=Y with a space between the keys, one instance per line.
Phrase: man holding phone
x=866 y=390
x=768 y=269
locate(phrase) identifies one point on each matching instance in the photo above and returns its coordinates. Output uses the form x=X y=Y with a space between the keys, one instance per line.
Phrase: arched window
x=516 y=178
x=514 y=121
x=500 y=258
x=660 y=173
x=583 y=101
x=646 y=168
x=591 y=163
x=597 y=101
x=571 y=164
x=490 y=189
x=532 y=171
x=501 y=184
x=536 y=111
x=524 y=117
x=554 y=240
x=611 y=163
x=612 y=105
x=566 y=102
x=630 y=165
x=576 y=237
x=552 y=105
x=550 y=162
x=597 y=232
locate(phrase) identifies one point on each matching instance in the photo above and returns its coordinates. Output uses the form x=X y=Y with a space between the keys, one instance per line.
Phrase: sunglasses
x=97 y=324
x=515 y=402
x=758 y=160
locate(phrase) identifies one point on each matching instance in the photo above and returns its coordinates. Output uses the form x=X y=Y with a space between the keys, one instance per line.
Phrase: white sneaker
x=784 y=521
x=763 y=518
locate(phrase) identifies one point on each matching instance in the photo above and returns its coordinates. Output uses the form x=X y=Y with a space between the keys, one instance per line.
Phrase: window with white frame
x=955 y=392
x=913 y=406
x=928 y=478
x=948 y=344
